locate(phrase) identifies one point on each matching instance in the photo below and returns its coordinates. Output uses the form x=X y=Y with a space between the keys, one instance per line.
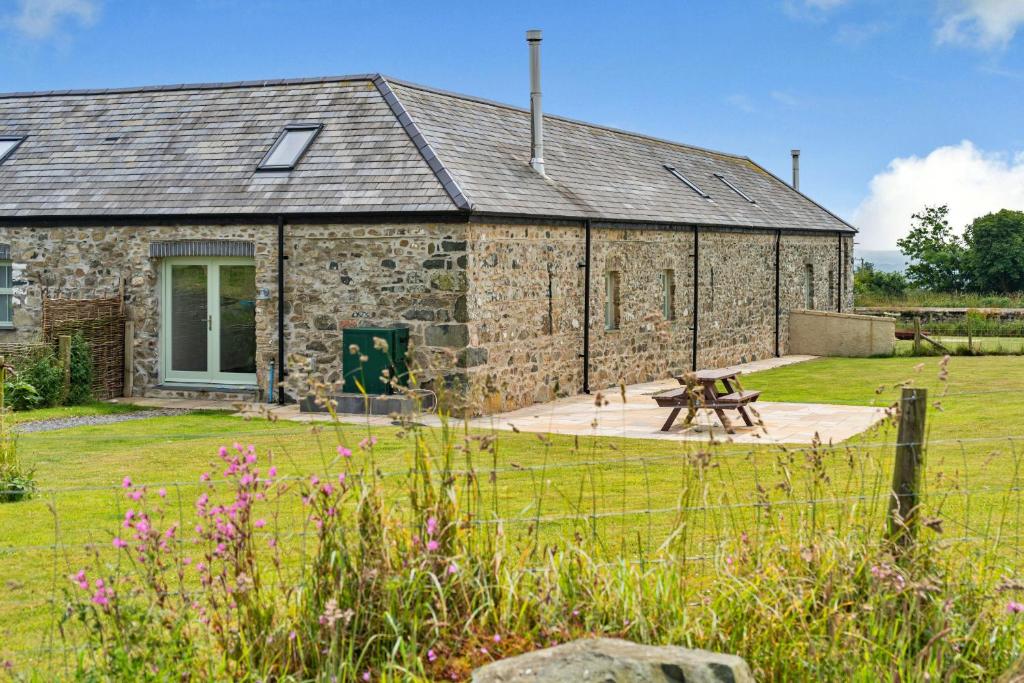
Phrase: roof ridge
x=565 y=119
x=226 y=85
x=441 y=172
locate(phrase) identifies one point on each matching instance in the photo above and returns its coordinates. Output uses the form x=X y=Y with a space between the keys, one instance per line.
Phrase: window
x=612 y=300
x=293 y=142
x=735 y=189
x=809 y=286
x=831 y=288
x=7 y=146
x=668 y=294
x=6 y=295
x=687 y=181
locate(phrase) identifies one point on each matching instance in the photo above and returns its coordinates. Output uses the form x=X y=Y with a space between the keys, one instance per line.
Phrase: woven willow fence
x=101 y=323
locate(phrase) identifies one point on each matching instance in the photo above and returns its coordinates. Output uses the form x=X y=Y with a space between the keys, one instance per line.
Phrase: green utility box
x=369 y=373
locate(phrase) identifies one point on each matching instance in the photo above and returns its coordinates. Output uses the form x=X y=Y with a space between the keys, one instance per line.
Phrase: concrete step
x=204 y=392
x=359 y=404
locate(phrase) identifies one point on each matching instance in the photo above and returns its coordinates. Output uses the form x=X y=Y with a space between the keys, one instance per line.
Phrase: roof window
x=735 y=189
x=8 y=145
x=687 y=181
x=293 y=142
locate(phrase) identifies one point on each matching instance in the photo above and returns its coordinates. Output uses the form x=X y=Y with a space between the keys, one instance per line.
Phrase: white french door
x=208 y=321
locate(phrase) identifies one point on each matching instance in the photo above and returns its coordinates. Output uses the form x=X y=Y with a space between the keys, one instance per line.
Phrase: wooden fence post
x=64 y=351
x=129 y=357
x=970 y=332
x=917 y=335
x=906 y=474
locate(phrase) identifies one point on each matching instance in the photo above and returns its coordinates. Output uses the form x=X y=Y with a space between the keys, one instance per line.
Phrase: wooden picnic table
x=700 y=390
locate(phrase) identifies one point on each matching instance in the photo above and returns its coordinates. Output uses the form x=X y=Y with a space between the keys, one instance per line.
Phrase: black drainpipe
x=281 y=258
x=696 y=291
x=839 y=286
x=586 y=308
x=778 y=290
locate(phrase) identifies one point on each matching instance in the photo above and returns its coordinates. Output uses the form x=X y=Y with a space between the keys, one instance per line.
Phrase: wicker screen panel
x=101 y=322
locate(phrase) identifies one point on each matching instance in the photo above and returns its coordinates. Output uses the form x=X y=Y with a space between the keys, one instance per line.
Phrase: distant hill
x=890 y=261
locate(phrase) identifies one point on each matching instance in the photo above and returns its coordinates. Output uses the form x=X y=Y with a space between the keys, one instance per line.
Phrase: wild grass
x=444 y=548
x=924 y=299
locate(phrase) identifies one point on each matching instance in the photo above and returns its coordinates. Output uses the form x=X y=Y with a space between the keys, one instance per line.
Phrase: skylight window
x=7 y=146
x=687 y=181
x=293 y=142
x=735 y=189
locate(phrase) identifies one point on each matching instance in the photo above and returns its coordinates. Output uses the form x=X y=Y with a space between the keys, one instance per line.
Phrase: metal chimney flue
x=533 y=38
x=796 y=169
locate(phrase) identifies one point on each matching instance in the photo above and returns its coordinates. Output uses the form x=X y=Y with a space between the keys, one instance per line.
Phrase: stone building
x=529 y=257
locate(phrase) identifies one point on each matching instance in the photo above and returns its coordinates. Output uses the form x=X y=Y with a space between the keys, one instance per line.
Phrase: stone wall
x=494 y=307
x=91 y=262
x=408 y=275
x=337 y=276
x=526 y=300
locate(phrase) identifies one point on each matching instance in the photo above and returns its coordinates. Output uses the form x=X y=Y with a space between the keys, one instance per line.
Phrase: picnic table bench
x=700 y=390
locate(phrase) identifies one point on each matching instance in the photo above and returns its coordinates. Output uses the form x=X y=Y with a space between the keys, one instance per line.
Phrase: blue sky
x=894 y=104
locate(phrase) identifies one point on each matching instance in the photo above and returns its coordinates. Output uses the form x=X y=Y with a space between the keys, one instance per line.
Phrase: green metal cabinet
x=369 y=373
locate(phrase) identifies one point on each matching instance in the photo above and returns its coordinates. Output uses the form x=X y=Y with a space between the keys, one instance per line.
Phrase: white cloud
x=970 y=181
x=984 y=24
x=38 y=19
x=810 y=9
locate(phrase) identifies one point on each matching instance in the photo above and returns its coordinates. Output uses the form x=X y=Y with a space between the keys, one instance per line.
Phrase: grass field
x=624 y=491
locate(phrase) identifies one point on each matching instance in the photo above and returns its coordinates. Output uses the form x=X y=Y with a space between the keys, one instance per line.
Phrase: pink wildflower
x=1015 y=607
x=80 y=579
x=344 y=452
x=222 y=451
x=205 y=476
x=368 y=442
x=314 y=480
x=272 y=472
x=327 y=489
x=432 y=545
x=366 y=675
x=120 y=542
x=126 y=483
x=431 y=656
x=453 y=568
x=137 y=494
x=341 y=478
x=260 y=523
x=497 y=638
x=431 y=525
x=162 y=492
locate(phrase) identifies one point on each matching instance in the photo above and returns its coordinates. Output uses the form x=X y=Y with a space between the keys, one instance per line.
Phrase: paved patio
x=636 y=417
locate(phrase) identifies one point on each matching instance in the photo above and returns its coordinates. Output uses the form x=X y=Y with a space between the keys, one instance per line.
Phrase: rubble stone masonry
x=494 y=310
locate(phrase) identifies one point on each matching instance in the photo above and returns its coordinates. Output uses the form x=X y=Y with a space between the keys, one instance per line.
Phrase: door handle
x=209 y=323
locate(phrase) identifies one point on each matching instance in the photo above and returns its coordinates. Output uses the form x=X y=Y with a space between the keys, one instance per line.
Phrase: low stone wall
x=821 y=333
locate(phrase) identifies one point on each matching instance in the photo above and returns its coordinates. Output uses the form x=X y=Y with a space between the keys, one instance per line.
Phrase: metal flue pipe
x=533 y=38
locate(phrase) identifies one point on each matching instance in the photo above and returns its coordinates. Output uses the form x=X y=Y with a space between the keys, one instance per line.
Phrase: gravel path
x=88 y=420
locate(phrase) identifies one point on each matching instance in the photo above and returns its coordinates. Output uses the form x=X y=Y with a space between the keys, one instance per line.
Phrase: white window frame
x=8 y=291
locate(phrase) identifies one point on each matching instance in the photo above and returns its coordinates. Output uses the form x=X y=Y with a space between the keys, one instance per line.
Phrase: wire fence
x=630 y=503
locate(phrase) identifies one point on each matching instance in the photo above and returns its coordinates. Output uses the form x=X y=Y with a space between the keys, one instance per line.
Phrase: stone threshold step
x=359 y=404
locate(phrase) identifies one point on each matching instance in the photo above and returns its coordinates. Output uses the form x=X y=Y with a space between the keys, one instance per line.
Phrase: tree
x=938 y=256
x=868 y=281
x=996 y=245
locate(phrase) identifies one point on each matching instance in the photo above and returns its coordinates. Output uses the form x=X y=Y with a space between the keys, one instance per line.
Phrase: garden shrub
x=47 y=377
x=19 y=394
x=81 y=372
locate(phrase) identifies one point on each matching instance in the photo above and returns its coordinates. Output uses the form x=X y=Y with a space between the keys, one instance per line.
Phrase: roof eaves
x=444 y=176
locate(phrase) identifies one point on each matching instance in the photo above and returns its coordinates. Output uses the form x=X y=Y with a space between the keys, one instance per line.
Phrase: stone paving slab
x=634 y=416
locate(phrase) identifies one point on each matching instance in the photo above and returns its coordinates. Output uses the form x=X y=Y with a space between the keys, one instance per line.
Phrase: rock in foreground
x=609 y=660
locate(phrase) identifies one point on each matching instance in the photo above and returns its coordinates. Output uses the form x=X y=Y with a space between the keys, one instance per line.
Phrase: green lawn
x=88 y=409
x=607 y=480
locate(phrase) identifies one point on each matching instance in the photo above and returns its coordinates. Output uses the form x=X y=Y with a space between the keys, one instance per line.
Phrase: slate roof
x=386 y=146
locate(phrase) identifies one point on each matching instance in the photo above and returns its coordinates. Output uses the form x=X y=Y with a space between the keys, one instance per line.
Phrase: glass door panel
x=190 y=322
x=237 y=319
